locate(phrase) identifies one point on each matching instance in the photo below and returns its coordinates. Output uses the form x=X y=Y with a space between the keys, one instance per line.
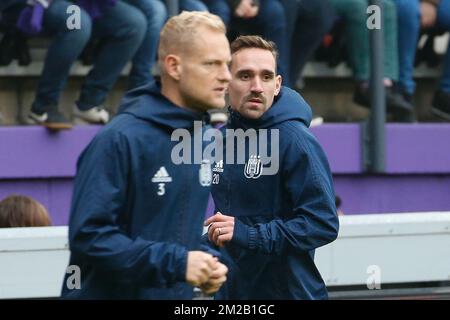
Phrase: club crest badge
x=205 y=173
x=253 y=168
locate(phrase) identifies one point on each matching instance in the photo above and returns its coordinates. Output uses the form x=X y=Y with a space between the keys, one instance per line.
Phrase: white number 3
x=161 y=189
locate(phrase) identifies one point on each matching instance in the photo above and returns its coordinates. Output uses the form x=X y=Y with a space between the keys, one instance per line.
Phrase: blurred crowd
x=108 y=34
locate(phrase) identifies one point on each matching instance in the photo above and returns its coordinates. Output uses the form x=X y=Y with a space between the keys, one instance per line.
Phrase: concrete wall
x=371 y=250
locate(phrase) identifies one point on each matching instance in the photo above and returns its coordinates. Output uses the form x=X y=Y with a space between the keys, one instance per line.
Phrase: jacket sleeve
x=5 y=4
x=208 y=247
x=308 y=182
x=99 y=217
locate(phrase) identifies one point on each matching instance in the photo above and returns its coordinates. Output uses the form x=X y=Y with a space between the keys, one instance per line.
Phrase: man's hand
x=200 y=267
x=429 y=14
x=218 y=277
x=246 y=9
x=221 y=229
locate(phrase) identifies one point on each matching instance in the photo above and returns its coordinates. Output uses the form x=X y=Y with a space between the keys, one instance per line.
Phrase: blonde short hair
x=179 y=31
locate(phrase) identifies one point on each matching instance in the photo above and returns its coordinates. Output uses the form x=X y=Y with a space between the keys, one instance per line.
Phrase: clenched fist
x=218 y=277
x=200 y=267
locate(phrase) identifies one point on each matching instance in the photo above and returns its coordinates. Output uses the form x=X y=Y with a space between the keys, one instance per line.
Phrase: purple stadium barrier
x=41 y=164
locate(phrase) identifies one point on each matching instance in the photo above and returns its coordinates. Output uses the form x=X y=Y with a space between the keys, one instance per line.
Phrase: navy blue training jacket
x=134 y=213
x=282 y=218
x=5 y=4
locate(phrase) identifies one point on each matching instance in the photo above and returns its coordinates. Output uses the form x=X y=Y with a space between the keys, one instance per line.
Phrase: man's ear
x=278 y=80
x=172 y=64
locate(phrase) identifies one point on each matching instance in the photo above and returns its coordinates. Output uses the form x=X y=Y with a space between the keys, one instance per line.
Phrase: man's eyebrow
x=245 y=71
x=216 y=60
x=268 y=72
x=250 y=71
x=212 y=60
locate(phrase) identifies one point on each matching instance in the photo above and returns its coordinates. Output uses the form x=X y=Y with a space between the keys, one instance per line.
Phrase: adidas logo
x=162 y=176
x=218 y=167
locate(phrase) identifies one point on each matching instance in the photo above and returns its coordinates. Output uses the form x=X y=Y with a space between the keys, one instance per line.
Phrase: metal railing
x=373 y=142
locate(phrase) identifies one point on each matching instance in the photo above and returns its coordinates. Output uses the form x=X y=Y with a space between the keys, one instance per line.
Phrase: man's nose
x=256 y=85
x=225 y=74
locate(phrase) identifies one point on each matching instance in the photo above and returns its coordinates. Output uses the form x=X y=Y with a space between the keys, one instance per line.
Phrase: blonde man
x=136 y=217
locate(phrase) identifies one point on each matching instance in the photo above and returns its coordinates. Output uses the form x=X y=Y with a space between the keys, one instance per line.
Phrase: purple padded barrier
x=341 y=144
x=394 y=193
x=34 y=152
x=41 y=164
x=359 y=194
x=418 y=148
x=410 y=148
x=55 y=195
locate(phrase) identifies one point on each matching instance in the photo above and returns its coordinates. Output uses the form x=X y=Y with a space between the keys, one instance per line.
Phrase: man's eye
x=245 y=77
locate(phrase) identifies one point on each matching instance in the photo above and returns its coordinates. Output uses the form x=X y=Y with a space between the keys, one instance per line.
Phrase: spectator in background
x=145 y=57
x=308 y=23
x=408 y=19
x=354 y=13
x=120 y=25
x=428 y=14
x=264 y=17
x=156 y=14
x=22 y=211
